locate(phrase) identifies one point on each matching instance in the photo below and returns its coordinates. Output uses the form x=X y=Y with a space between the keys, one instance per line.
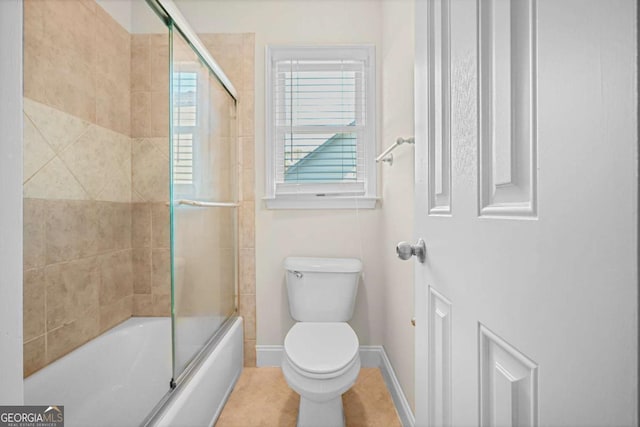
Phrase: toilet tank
x=322 y=289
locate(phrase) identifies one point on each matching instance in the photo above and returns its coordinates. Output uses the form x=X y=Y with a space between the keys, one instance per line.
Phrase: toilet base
x=321 y=414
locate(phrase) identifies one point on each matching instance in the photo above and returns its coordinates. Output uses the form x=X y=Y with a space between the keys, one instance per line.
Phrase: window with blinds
x=321 y=135
x=185 y=115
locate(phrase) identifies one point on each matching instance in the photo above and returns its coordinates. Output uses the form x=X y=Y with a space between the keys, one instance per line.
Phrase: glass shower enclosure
x=203 y=201
x=130 y=208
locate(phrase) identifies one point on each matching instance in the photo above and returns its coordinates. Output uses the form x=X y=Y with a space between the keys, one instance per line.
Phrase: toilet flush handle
x=298 y=274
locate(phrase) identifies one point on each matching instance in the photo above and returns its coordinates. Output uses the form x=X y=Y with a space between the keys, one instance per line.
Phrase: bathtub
x=119 y=378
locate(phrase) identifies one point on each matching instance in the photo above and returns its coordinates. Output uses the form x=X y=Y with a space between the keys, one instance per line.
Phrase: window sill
x=321 y=202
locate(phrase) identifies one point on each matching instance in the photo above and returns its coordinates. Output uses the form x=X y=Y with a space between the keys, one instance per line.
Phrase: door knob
x=406 y=250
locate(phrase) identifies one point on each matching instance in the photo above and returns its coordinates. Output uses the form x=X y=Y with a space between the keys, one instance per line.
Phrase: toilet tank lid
x=326 y=265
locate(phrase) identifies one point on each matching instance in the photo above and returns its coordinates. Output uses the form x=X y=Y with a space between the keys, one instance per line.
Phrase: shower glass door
x=204 y=203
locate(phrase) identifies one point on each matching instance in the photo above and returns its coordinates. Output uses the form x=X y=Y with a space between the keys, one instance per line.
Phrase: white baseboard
x=268 y=355
x=371 y=356
x=271 y=355
x=399 y=399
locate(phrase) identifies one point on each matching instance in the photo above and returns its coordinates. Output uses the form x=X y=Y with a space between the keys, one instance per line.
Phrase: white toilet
x=321 y=359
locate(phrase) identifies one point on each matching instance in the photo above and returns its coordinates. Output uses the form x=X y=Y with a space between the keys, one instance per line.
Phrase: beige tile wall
x=150 y=85
x=77 y=102
x=150 y=174
x=150 y=160
x=77 y=60
x=96 y=226
x=50 y=41
x=151 y=259
x=78 y=279
x=235 y=53
x=67 y=158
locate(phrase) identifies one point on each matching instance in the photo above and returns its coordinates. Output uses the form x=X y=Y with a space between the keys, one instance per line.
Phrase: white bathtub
x=119 y=377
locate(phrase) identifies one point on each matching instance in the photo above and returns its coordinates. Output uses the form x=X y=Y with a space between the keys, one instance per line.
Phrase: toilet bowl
x=321 y=362
x=321 y=359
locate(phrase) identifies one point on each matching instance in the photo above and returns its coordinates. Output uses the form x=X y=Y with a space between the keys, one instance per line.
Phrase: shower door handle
x=406 y=250
x=203 y=204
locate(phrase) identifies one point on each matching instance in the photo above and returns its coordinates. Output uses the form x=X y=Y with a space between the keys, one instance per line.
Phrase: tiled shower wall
x=96 y=226
x=78 y=279
x=236 y=55
x=150 y=174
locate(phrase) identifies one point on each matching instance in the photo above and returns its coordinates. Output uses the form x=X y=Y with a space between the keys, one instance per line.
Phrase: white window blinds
x=185 y=116
x=321 y=128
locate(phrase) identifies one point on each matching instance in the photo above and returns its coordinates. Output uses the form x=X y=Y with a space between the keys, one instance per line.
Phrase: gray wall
x=11 y=391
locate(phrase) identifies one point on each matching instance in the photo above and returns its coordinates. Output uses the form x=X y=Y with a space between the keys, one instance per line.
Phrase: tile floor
x=262 y=398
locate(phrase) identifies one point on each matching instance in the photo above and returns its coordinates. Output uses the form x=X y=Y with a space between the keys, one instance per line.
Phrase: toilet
x=321 y=359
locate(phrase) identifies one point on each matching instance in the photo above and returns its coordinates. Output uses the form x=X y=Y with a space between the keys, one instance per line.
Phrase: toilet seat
x=321 y=350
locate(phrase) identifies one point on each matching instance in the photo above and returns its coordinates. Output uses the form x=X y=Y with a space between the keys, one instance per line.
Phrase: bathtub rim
x=176 y=385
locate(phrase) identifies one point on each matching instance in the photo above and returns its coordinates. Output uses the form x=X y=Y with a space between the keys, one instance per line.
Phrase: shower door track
x=192 y=367
x=169 y=12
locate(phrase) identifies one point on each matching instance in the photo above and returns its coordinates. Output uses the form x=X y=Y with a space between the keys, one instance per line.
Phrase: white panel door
x=526 y=196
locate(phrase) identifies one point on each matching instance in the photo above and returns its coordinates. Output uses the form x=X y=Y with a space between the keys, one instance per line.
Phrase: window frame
x=323 y=197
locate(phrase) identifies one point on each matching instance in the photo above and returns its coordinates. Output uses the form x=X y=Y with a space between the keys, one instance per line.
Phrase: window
x=185 y=92
x=321 y=127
